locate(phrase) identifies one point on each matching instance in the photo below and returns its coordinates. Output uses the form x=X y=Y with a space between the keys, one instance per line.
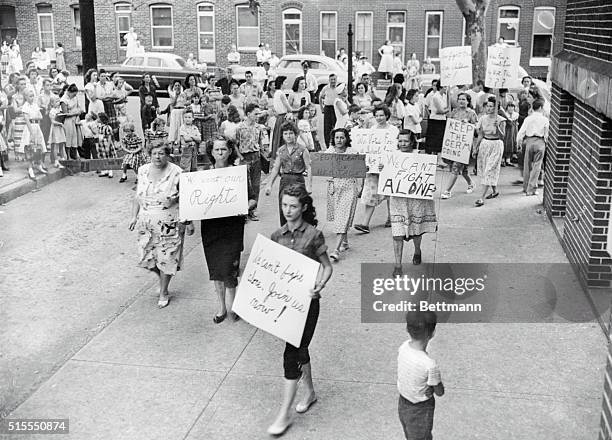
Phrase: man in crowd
x=363 y=67
x=251 y=90
x=224 y=83
x=327 y=99
x=237 y=99
x=259 y=55
x=311 y=82
x=532 y=138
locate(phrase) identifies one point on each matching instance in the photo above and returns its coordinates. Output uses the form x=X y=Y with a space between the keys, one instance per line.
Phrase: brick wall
x=558 y=151
x=587 y=28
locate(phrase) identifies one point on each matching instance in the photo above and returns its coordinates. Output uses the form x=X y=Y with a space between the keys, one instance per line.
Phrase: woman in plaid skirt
x=106 y=143
x=134 y=155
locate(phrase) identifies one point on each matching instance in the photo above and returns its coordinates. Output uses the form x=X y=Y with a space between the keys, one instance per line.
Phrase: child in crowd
x=106 y=143
x=510 y=147
x=418 y=377
x=89 y=130
x=354 y=115
x=57 y=135
x=305 y=137
x=134 y=154
x=196 y=109
x=228 y=128
x=223 y=109
x=190 y=139
x=208 y=126
x=148 y=113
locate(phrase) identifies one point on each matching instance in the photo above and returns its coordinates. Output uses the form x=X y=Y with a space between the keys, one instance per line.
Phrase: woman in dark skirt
x=292 y=163
x=437 y=120
x=283 y=110
x=222 y=238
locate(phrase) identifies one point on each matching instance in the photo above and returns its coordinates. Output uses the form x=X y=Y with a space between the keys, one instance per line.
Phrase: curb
x=26 y=185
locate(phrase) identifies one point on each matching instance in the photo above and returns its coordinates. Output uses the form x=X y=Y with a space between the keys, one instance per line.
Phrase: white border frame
x=397 y=25
x=427 y=14
x=333 y=56
x=292 y=21
x=248 y=48
x=542 y=61
x=45 y=14
x=371 y=14
x=509 y=20
x=214 y=29
x=161 y=6
x=73 y=9
x=119 y=14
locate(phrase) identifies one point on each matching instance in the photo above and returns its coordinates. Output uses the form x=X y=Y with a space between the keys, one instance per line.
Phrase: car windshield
x=341 y=65
x=181 y=62
x=290 y=64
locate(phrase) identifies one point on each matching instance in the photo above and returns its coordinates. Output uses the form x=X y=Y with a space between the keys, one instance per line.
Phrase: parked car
x=320 y=66
x=166 y=67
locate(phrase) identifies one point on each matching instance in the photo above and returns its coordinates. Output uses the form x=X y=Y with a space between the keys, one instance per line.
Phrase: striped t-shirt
x=416 y=371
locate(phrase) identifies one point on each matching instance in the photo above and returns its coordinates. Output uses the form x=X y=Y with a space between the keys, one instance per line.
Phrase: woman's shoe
x=279 y=430
x=301 y=408
x=397 y=271
x=334 y=256
x=103 y=174
x=388 y=223
x=446 y=195
x=42 y=169
x=492 y=195
x=362 y=228
x=479 y=202
x=218 y=319
x=344 y=246
x=110 y=174
x=470 y=189
x=416 y=259
x=123 y=179
x=31 y=174
x=163 y=302
x=235 y=316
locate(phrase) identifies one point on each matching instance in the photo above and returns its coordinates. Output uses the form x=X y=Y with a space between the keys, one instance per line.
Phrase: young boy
x=418 y=377
x=148 y=113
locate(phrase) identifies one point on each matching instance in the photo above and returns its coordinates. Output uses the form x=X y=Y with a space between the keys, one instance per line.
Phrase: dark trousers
x=71 y=153
x=253 y=163
x=88 y=150
x=329 y=121
x=295 y=357
x=416 y=418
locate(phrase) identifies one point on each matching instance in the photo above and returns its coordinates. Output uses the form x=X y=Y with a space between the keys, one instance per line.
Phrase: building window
x=329 y=33
x=363 y=33
x=543 y=29
x=433 y=34
x=466 y=41
x=247 y=31
x=162 y=33
x=46 y=35
x=206 y=33
x=396 y=30
x=508 y=24
x=123 y=18
x=76 y=24
x=292 y=31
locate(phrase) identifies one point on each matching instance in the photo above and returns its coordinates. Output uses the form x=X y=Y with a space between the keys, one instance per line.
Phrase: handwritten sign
x=502 y=67
x=408 y=175
x=338 y=165
x=274 y=291
x=456 y=66
x=213 y=193
x=372 y=142
x=457 y=143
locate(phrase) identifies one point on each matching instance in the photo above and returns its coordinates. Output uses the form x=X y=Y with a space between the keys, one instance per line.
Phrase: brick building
x=43 y=24
x=209 y=28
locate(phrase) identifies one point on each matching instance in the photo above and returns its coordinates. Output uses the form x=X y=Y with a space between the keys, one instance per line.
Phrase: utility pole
x=350 y=63
x=89 y=55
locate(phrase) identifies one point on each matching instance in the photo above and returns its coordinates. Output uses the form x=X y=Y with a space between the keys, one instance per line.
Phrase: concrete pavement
x=122 y=369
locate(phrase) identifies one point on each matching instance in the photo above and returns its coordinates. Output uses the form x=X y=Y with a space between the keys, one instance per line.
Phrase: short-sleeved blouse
x=158 y=201
x=307 y=240
x=464 y=115
x=489 y=126
x=292 y=163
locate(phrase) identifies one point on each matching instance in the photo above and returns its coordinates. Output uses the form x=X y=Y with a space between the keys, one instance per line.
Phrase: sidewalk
x=172 y=374
x=16 y=182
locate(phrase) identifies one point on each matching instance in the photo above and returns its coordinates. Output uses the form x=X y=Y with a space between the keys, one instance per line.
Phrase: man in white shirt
x=363 y=67
x=267 y=53
x=250 y=89
x=311 y=82
x=274 y=60
x=327 y=99
x=534 y=133
x=259 y=55
x=475 y=94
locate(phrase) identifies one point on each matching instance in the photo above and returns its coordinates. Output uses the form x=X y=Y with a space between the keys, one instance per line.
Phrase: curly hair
x=230 y=145
x=347 y=136
x=232 y=114
x=384 y=109
x=298 y=190
x=159 y=144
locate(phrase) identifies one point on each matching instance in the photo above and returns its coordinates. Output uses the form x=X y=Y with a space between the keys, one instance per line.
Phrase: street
x=83 y=338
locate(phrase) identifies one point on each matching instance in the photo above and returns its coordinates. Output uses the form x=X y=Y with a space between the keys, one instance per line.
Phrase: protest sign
x=456 y=66
x=274 y=291
x=502 y=67
x=372 y=142
x=457 y=143
x=408 y=175
x=338 y=165
x=213 y=193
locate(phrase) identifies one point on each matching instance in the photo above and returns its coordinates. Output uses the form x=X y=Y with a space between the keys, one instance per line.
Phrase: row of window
x=248 y=30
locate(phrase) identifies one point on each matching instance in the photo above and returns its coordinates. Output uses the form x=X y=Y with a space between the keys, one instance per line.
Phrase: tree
x=475 y=12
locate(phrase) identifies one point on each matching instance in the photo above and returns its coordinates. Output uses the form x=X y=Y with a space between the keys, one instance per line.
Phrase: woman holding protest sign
x=489 y=149
x=222 y=238
x=369 y=195
x=155 y=214
x=292 y=162
x=410 y=218
x=464 y=114
x=342 y=193
x=300 y=234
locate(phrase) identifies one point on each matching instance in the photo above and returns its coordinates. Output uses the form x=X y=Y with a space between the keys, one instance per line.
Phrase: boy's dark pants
x=416 y=418
x=253 y=163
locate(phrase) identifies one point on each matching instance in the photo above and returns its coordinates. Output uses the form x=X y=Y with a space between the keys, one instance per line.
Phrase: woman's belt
x=292 y=174
x=492 y=139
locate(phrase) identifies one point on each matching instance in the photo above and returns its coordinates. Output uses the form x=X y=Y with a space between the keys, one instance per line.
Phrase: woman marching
x=300 y=234
x=489 y=149
x=342 y=195
x=292 y=161
x=222 y=238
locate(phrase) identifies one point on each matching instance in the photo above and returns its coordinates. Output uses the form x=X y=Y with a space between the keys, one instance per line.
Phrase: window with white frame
x=543 y=30
x=123 y=20
x=206 y=33
x=292 y=31
x=396 y=30
x=247 y=29
x=76 y=24
x=508 y=24
x=46 y=34
x=433 y=34
x=363 y=33
x=329 y=33
x=162 y=32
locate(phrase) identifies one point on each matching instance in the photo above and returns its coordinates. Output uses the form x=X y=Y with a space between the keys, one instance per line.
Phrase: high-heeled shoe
x=218 y=319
